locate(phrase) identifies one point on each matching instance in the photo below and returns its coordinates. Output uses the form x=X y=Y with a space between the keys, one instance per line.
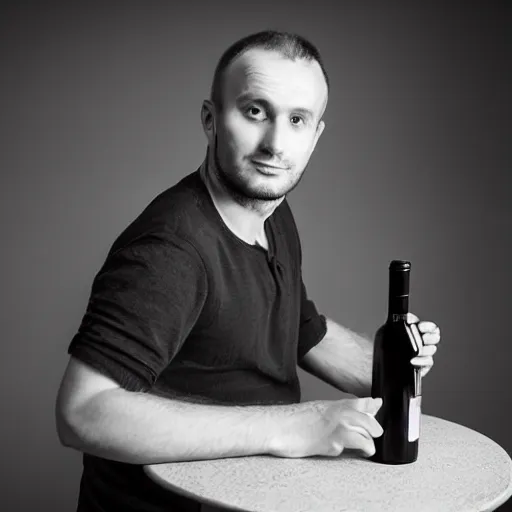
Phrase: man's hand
x=327 y=427
x=431 y=335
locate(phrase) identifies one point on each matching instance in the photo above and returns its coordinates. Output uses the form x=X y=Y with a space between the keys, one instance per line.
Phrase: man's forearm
x=140 y=428
x=343 y=359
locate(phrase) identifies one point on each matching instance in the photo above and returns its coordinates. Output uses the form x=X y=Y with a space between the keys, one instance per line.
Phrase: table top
x=458 y=469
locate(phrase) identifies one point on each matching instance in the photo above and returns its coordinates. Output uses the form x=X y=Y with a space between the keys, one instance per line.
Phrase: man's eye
x=255 y=112
x=296 y=120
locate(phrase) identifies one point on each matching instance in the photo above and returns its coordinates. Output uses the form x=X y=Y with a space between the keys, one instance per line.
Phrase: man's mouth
x=267 y=168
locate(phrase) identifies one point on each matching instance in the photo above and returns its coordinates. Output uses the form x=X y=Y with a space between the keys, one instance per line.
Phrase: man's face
x=269 y=123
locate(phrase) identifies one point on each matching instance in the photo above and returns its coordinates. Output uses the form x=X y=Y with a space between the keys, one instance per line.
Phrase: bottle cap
x=400 y=265
x=399 y=275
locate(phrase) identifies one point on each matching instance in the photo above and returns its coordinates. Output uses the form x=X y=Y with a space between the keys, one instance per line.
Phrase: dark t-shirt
x=184 y=308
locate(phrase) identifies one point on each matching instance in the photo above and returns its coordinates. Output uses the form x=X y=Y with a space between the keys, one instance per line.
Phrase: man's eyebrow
x=304 y=111
x=262 y=101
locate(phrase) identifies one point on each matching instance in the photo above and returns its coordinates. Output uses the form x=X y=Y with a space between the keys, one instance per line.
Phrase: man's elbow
x=65 y=433
x=69 y=426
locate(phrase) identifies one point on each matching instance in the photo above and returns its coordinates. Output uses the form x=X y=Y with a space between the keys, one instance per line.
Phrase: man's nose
x=275 y=138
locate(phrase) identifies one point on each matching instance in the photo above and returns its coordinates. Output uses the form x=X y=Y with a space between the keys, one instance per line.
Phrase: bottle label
x=414 y=418
x=397 y=317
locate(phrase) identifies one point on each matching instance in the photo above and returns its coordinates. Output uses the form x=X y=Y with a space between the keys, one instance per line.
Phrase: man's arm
x=342 y=359
x=96 y=416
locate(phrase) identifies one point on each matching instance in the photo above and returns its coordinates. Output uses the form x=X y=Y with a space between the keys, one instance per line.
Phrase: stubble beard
x=252 y=199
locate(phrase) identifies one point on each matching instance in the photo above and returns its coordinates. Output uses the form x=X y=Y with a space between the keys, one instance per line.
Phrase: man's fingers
x=366 y=422
x=369 y=405
x=422 y=361
x=356 y=440
x=363 y=416
x=371 y=425
x=430 y=332
x=431 y=338
x=428 y=350
x=426 y=326
x=372 y=406
x=412 y=318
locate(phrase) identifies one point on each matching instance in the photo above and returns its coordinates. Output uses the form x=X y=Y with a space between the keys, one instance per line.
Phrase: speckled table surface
x=458 y=469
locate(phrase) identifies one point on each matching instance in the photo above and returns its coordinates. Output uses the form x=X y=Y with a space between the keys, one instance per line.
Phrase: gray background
x=100 y=105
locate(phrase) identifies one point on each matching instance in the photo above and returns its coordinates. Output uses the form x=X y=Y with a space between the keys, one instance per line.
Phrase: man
x=199 y=316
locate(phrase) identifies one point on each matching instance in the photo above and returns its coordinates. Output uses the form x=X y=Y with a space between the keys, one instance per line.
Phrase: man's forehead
x=260 y=71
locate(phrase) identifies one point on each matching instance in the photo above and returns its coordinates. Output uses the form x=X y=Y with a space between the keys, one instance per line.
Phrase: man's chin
x=256 y=186
x=269 y=188
x=256 y=193
x=266 y=197
x=259 y=195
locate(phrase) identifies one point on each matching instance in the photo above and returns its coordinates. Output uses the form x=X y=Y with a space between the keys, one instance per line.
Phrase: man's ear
x=319 y=130
x=208 y=120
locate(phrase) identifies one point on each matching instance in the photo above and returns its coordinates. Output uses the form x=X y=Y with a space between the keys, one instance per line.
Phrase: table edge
x=149 y=470
x=155 y=477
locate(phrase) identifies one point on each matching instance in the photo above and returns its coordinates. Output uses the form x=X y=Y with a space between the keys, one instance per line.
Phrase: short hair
x=291 y=46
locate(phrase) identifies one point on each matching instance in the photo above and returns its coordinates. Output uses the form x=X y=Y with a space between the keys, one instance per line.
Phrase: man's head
x=268 y=96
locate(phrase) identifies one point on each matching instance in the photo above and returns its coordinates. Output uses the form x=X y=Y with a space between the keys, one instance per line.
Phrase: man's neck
x=246 y=219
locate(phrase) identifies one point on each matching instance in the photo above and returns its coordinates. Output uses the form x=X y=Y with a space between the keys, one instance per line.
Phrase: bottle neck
x=398 y=308
x=398 y=300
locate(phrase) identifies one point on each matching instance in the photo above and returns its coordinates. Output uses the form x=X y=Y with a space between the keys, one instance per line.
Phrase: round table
x=457 y=470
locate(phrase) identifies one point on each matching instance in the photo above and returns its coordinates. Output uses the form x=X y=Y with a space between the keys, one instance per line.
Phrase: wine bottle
x=394 y=378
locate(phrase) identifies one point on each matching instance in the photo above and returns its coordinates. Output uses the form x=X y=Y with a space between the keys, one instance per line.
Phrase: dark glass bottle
x=394 y=378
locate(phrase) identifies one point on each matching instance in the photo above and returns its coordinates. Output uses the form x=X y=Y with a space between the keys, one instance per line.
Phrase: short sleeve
x=143 y=303
x=312 y=328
